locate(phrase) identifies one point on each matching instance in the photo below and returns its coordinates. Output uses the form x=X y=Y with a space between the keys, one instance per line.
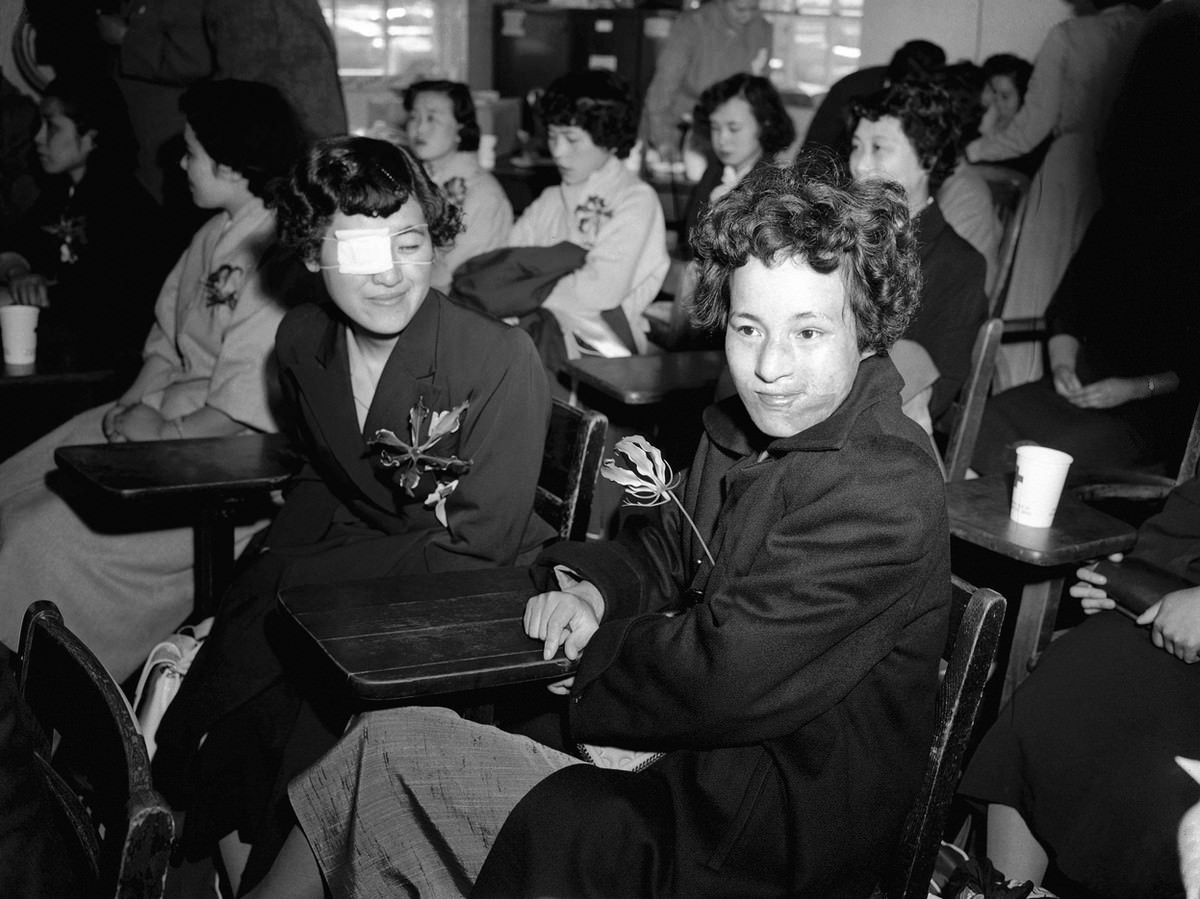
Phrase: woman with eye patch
x=367 y=219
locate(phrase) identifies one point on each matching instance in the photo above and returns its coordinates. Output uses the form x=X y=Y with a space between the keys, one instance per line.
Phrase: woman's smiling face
x=381 y=305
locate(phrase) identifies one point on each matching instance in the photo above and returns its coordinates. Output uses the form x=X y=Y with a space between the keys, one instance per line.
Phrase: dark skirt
x=1098 y=438
x=1085 y=752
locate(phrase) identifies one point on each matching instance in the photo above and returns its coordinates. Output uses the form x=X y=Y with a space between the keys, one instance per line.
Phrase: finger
x=1148 y=616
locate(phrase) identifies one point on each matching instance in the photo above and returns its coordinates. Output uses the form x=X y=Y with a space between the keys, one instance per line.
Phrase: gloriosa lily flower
x=413 y=456
x=652 y=483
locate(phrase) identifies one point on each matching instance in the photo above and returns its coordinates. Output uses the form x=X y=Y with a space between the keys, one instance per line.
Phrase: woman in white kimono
x=123 y=576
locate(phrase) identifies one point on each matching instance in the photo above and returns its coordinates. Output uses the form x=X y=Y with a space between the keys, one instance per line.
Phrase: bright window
x=383 y=38
x=816 y=42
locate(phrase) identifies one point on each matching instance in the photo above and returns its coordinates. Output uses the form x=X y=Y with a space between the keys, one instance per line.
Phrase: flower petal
x=444 y=423
x=639 y=450
x=623 y=476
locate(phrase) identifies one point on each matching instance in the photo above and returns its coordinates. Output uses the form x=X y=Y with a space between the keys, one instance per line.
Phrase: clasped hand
x=1104 y=394
x=133 y=422
x=1174 y=620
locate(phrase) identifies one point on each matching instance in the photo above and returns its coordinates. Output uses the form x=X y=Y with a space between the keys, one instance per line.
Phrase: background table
x=650 y=378
x=212 y=475
x=978 y=511
x=399 y=639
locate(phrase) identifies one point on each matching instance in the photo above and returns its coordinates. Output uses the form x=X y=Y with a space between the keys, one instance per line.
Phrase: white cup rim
x=1043 y=455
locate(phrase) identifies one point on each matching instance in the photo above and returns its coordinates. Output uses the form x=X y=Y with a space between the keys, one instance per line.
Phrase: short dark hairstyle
x=597 y=101
x=776 y=130
x=460 y=100
x=95 y=104
x=359 y=176
x=929 y=118
x=245 y=125
x=1017 y=69
x=915 y=59
x=816 y=213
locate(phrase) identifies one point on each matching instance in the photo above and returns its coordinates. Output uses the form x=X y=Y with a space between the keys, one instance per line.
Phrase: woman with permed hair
x=444 y=134
x=781 y=658
x=909 y=133
x=384 y=353
x=591 y=120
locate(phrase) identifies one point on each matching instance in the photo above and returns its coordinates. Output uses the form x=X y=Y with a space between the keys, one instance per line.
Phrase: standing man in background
x=721 y=38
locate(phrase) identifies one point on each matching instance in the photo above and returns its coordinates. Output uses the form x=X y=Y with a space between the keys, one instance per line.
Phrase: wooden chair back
x=967 y=411
x=1010 y=195
x=570 y=464
x=976 y=616
x=94 y=759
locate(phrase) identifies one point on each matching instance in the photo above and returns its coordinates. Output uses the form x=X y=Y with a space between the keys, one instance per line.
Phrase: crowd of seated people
x=328 y=296
x=123 y=578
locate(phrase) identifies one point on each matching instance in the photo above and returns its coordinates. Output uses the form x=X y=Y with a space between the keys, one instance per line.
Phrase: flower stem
x=695 y=530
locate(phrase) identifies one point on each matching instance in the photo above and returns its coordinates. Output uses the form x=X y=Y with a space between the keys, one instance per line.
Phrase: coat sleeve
x=669 y=71
x=165 y=43
x=503 y=434
x=1036 y=118
x=780 y=643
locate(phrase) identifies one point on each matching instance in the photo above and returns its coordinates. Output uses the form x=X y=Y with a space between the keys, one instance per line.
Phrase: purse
x=161 y=676
x=632 y=760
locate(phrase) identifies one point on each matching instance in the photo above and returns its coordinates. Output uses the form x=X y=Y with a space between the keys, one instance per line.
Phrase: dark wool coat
x=346 y=517
x=796 y=699
x=953 y=306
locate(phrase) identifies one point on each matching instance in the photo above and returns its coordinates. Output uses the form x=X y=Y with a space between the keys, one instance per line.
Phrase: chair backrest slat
x=94 y=758
x=976 y=618
x=570 y=464
x=968 y=410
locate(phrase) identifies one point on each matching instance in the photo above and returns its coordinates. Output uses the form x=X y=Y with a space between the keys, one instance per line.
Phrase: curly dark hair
x=96 y=105
x=358 y=176
x=929 y=118
x=776 y=130
x=462 y=103
x=816 y=213
x=1015 y=68
x=247 y=126
x=597 y=101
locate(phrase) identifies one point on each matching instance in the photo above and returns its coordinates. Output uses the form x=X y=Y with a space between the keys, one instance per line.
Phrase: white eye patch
x=363 y=251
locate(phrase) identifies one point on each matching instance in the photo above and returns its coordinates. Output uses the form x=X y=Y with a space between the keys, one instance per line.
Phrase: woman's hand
x=1175 y=624
x=1088 y=589
x=1066 y=382
x=561 y=618
x=1106 y=394
x=136 y=423
x=29 y=290
x=109 y=423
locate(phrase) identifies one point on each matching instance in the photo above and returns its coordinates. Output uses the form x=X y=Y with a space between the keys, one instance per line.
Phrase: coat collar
x=729 y=426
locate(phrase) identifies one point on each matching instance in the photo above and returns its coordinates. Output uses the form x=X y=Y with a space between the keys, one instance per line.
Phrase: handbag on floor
x=161 y=676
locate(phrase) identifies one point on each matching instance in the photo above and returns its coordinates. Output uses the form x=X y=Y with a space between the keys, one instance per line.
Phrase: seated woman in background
x=90 y=252
x=908 y=133
x=1124 y=375
x=1006 y=79
x=746 y=125
x=443 y=134
x=788 y=680
x=616 y=217
x=385 y=351
x=1078 y=771
x=123 y=576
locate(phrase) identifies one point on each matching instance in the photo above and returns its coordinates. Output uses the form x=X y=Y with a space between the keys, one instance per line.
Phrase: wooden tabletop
x=396 y=639
x=979 y=508
x=650 y=378
x=218 y=466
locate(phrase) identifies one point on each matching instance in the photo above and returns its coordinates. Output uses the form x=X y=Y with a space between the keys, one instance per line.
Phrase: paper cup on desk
x=1041 y=473
x=18 y=330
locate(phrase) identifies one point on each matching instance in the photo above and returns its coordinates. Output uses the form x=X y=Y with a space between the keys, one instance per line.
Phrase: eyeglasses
x=371 y=251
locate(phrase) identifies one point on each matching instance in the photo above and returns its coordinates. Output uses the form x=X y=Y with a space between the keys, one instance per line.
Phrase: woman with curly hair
x=444 y=134
x=591 y=120
x=787 y=680
x=746 y=125
x=909 y=133
x=383 y=351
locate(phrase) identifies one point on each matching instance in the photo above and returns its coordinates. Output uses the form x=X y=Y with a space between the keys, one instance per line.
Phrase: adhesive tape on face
x=364 y=251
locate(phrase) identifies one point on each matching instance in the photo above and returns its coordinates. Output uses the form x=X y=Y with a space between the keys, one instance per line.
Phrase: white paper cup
x=1041 y=473
x=18 y=329
x=487 y=151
